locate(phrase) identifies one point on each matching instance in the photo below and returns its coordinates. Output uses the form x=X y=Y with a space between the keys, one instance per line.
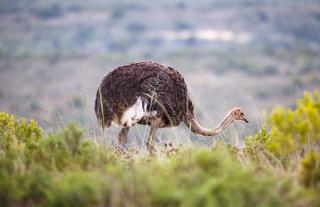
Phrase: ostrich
x=148 y=93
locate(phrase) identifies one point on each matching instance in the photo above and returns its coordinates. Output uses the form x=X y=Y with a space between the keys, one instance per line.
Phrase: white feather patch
x=135 y=113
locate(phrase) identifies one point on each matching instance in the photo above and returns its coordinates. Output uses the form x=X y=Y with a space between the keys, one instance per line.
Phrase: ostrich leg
x=150 y=141
x=122 y=136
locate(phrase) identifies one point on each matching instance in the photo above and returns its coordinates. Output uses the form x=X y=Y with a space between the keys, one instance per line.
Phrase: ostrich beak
x=245 y=120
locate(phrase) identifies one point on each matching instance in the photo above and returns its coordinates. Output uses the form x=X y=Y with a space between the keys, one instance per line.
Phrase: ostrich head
x=237 y=114
x=233 y=115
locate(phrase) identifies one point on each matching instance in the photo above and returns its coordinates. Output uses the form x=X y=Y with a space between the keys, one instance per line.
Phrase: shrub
x=15 y=132
x=78 y=189
x=65 y=169
x=136 y=28
x=309 y=174
x=293 y=132
x=51 y=11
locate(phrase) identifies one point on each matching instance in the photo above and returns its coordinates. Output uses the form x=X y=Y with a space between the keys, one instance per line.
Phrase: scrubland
x=278 y=166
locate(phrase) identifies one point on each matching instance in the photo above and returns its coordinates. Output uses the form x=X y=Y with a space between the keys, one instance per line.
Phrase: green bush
x=293 y=132
x=78 y=189
x=296 y=131
x=14 y=132
x=65 y=169
x=309 y=174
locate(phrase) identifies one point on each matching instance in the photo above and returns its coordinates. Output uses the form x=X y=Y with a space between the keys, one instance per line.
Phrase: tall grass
x=65 y=169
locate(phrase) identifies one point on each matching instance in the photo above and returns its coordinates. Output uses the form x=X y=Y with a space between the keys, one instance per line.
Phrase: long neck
x=192 y=123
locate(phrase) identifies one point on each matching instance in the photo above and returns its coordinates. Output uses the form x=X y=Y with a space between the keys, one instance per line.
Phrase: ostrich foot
x=169 y=149
x=120 y=150
x=151 y=148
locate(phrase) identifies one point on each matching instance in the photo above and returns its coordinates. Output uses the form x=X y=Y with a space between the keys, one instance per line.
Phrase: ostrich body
x=148 y=93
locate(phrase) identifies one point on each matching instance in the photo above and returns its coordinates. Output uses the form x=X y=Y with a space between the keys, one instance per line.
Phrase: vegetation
x=62 y=50
x=279 y=166
x=293 y=132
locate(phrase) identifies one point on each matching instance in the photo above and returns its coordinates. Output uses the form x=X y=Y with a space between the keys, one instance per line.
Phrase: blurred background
x=249 y=53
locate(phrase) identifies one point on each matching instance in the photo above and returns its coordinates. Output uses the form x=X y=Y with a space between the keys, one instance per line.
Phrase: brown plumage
x=164 y=91
x=121 y=88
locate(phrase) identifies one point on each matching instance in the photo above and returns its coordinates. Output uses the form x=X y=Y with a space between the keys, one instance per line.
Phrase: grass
x=65 y=169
